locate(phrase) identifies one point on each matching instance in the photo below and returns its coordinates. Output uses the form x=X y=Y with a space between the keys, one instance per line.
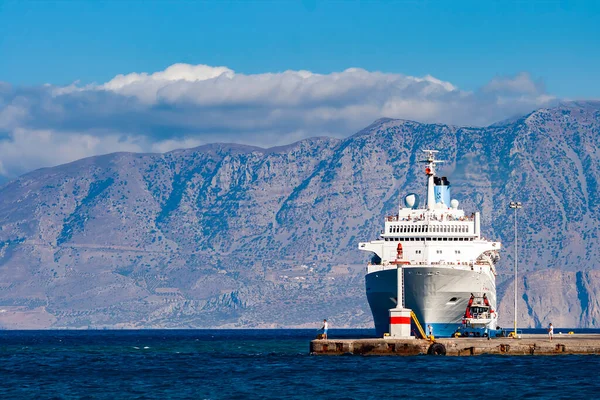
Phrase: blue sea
x=265 y=364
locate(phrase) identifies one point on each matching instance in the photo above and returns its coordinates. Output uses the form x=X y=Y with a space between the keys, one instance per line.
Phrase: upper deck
x=426 y=223
x=437 y=234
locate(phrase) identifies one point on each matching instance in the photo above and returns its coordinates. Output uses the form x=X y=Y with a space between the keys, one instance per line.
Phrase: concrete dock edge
x=528 y=345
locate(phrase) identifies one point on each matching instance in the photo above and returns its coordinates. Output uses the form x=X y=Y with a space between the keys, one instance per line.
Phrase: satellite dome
x=454 y=204
x=411 y=200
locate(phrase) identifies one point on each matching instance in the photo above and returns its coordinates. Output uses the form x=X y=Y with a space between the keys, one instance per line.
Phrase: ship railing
x=379 y=267
x=388 y=265
x=434 y=218
x=451 y=218
x=452 y=263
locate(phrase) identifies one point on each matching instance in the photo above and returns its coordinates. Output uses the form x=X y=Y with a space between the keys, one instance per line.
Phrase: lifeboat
x=479 y=313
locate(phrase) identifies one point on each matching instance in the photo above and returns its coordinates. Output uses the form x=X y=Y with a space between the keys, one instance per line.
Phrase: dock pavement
x=527 y=344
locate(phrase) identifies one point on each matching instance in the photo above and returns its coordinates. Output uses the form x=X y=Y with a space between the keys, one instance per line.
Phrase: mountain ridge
x=227 y=235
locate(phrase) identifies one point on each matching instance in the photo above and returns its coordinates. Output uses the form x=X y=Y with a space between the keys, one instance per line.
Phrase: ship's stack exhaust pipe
x=441 y=190
x=430 y=172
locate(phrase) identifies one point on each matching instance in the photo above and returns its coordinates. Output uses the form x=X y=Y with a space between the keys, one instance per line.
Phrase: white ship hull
x=437 y=294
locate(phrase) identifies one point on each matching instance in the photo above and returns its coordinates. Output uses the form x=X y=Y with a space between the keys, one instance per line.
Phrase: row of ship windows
x=412 y=239
x=438 y=252
x=429 y=228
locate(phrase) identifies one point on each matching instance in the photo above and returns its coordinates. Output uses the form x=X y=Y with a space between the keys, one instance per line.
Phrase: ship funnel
x=441 y=190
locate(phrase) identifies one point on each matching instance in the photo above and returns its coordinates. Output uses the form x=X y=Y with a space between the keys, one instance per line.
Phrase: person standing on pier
x=550 y=331
x=324 y=328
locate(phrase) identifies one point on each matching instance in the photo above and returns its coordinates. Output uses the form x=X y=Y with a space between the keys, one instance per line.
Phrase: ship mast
x=430 y=172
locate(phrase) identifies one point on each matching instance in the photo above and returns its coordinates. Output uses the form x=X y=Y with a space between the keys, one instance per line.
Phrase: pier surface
x=527 y=345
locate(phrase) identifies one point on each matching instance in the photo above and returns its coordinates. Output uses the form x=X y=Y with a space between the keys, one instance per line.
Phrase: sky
x=80 y=78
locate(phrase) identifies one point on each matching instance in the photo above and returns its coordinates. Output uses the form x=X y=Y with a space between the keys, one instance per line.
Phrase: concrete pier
x=527 y=345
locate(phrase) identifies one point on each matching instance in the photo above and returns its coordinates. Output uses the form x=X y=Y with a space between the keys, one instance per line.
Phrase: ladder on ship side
x=419 y=327
x=402 y=300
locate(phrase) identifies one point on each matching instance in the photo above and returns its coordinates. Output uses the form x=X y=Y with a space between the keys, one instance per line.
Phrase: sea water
x=266 y=364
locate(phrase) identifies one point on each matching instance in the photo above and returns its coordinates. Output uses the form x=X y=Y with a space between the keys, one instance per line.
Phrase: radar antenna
x=431 y=158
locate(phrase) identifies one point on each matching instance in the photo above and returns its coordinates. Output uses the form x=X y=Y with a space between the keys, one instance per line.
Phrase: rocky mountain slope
x=238 y=236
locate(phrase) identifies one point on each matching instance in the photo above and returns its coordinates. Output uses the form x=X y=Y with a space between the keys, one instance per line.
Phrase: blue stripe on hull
x=442 y=330
x=380 y=304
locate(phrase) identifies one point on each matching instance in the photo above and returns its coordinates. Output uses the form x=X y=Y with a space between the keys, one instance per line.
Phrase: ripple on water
x=269 y=364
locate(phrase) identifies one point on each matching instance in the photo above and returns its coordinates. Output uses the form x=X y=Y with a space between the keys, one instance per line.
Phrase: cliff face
x=228 y=235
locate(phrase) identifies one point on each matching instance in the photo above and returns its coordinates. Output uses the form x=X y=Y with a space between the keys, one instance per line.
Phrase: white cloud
x=11 y=116
x=188 y=105
x=170 y=145
x=30 y=149
x=176 y=72
x=518 y=84
x=146 y=86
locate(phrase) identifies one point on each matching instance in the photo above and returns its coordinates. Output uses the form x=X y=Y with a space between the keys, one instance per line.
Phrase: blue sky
x=464 y=42
x=81 y=78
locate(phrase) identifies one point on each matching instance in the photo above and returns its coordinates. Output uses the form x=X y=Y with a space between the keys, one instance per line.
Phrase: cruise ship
x=444 y=260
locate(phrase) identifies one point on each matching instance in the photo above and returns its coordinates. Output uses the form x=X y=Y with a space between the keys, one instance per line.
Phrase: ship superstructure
x=445 y=260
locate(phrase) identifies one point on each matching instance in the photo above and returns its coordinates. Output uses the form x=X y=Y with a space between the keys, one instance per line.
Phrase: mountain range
x=228 y=235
